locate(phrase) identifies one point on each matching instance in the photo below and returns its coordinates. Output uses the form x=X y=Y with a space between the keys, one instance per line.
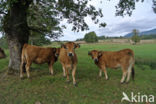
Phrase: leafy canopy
x=45 y=16
x=91 y=37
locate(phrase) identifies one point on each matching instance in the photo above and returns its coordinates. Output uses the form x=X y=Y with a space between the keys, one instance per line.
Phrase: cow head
x=70 y=48
x=95 y=54
x=2 y=54
x=57 y=52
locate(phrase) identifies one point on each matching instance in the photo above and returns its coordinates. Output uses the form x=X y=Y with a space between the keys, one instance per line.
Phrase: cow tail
x=133 y=73
x=23 y=60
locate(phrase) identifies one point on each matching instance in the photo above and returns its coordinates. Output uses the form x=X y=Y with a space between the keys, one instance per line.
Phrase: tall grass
x=143 y=61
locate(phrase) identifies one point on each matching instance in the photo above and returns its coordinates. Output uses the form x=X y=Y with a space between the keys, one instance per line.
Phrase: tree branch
x=1 y=12
x=37 y=29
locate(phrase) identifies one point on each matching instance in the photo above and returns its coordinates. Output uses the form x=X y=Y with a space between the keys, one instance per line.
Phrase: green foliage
x=144 y=37
x=101 y=37
x=3 y=42
x=154 y=6
x=135 y=38
x=125 y=7
x=45 y=16
x=91 y=37
x=41 y=21
x=39 y=39
x=103 y=25
x=80 y=39
x=34 y=39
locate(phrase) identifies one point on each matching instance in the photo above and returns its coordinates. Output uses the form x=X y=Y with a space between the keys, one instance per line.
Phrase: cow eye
x=65 y=47
x=75 y=46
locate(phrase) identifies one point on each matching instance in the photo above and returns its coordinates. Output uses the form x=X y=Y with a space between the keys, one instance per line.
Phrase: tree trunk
x=17 y=32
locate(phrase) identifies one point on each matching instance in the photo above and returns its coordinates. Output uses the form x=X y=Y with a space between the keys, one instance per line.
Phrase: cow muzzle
x=70 y=54
x=56 y=55
x=95 y=60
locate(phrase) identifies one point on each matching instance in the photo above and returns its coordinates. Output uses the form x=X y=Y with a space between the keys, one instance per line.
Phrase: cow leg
x=67 y=73
x=64 y=72
x=28 y=68
x=51 y=68
x=73 y=75
x=129 y=73
x=124 y=73
x=105 y=71
x=100 y=73
x=21 y=69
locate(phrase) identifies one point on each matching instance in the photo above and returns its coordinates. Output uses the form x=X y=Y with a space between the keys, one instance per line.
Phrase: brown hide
x=108 y=59
x=35 y=54
x=68 y=59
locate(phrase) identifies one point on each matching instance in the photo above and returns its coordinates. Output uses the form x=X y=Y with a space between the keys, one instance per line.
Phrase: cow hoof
x=22 y=78
x=51 y=73
x=68 y=81
x=127 y=82
x=107 y=78
x=100 y=77
x=121 y=82
x=75 y=84
x=21 y=75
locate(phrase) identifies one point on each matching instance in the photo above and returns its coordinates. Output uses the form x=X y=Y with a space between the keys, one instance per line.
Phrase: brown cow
x=107 y=59
x=2 y=54
x=37 y=55
x=68 y=59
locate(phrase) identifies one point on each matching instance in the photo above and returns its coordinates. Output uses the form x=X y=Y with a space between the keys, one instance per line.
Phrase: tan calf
x=68 y=59
x=107 y=59
x=35 y=54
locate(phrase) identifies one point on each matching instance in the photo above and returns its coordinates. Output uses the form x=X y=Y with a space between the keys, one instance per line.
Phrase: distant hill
x=149 y=32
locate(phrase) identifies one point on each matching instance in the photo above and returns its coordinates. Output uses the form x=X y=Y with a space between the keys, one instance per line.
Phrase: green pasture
x=47 y=89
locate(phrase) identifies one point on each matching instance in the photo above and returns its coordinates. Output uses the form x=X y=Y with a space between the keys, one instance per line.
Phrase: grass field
x=47 y=89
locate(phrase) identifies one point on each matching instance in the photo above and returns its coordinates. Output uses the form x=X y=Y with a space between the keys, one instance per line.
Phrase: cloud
x=143 y=18
x=70 y=35
x=127 y=26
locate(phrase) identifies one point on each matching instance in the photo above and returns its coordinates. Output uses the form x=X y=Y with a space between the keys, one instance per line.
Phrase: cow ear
x=89 y=53
x=77 y=46
x=99 y=53
x=63 y=46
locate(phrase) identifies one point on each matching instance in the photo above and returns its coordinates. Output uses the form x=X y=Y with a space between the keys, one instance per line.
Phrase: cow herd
x=68 y=58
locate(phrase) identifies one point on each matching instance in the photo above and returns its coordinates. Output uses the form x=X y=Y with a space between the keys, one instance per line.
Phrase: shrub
x=135 y=38
x=91 y=37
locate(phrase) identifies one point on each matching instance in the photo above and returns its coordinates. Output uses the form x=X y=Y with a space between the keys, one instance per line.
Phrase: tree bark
x=17 y=32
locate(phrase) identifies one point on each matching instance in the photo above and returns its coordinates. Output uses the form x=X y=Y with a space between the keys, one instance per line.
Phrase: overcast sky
x=143 y=18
